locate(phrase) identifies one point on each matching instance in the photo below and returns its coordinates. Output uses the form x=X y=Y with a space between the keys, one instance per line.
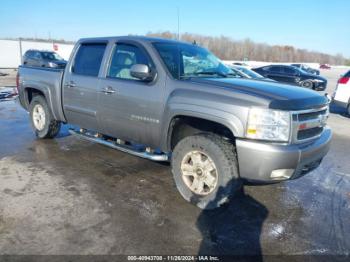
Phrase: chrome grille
x=308 y=124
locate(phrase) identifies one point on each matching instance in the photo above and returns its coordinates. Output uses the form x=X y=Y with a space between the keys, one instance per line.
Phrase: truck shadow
x=234 y=229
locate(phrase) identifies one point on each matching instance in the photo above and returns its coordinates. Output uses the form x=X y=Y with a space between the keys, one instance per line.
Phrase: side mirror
x=142 y=72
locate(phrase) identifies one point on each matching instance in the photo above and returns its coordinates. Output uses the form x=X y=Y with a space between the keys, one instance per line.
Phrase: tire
x=307 y=84
x=43 y=123
x=215 y=152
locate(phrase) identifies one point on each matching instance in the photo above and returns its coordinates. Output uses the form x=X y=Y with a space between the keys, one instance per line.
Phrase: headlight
x=52 y=64
x=268 y=124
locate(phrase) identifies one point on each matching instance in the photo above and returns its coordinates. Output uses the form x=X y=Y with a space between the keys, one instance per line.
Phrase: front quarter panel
x=208 y=106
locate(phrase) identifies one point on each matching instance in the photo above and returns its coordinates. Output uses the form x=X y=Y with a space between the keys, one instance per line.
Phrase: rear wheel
x=205 y=170
x=43 y=123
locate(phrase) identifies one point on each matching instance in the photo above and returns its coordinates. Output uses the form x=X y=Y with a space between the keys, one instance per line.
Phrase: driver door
x=130 y=109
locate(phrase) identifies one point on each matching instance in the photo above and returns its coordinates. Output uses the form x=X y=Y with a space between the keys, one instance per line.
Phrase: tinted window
x=37 y=55
x=347 y=74
x=275 y=69
x=289 y=71
x=88 y=59
x=123 y=58
x=51 y=56
x=28 y=54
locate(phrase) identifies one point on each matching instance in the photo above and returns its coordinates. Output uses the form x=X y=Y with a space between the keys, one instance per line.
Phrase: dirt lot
x=67 y=196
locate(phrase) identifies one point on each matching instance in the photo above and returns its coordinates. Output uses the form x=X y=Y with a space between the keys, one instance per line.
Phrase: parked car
x=307 y=69
x=293 y=76
x=341 y=94
x=38 y=58
x=250 y=73
x=325 y=66
x=215 y=129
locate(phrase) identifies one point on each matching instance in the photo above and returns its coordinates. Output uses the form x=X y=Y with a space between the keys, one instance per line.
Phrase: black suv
x=307 y=69
x=43 y=59
x=293 y=76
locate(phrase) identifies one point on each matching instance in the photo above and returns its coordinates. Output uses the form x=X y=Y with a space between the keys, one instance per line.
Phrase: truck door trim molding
x=80 y=110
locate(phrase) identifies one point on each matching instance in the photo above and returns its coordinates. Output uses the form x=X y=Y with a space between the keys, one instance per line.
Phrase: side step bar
x=123 y=148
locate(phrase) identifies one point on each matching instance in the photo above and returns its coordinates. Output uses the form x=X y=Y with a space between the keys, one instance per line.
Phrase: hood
x=320 y=78
x=279 y=96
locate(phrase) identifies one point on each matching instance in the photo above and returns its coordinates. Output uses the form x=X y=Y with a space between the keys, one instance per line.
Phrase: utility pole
x=20 y=50
x=178 y=23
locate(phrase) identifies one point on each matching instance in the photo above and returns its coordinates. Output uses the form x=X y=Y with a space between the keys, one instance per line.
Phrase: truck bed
x=48 y=81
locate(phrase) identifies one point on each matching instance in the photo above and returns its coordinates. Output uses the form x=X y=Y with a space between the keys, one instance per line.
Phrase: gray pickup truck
x=172 y=101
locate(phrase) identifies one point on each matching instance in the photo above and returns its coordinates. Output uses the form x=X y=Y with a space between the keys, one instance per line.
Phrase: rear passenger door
x=290 y=75
x=80 y=85
x=32 y=59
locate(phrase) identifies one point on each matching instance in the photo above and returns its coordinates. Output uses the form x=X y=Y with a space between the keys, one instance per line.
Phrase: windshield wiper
x=234 y=75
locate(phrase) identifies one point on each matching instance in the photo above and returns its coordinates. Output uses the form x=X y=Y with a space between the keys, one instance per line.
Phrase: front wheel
x=307 y=84
x=205 y=170
x=43 y=123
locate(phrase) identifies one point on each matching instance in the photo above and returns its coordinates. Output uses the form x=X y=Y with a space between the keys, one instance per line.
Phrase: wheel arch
x=185 y=123
x=31 y=90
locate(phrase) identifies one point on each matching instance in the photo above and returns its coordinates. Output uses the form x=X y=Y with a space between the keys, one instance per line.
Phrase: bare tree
x=229 y=49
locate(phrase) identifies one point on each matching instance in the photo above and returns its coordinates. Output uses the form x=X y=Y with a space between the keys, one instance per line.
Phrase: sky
x=318 y=25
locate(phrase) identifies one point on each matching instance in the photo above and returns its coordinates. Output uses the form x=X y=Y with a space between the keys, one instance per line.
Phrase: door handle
x=70 y=84
x=108 y=90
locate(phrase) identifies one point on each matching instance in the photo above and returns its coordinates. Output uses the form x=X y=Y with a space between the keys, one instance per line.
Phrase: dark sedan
x=293 y=76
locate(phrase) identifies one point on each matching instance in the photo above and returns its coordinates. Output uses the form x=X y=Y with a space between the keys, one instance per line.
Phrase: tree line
x=227 y=48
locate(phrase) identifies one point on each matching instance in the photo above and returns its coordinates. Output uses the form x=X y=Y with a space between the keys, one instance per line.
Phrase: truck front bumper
x=264 y=162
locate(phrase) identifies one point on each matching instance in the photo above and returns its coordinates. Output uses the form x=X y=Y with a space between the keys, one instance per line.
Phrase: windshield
x=305 y=67
x=51 y=56
x=186 y=60
x=249 y=72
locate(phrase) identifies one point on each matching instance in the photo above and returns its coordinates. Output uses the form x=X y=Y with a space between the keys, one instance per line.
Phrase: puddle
x=8 y=93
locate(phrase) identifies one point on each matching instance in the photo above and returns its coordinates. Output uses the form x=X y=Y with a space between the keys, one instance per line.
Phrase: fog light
x=281 y=174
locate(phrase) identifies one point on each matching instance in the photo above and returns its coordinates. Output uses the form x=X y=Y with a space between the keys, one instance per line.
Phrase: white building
x=12 y=50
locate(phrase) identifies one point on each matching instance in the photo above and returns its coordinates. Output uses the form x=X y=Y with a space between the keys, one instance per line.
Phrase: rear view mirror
x=142 y=72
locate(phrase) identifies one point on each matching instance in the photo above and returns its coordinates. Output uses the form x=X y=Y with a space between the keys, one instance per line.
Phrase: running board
x=123 y=148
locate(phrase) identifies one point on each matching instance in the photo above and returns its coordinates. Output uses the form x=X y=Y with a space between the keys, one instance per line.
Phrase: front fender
x=231 y=121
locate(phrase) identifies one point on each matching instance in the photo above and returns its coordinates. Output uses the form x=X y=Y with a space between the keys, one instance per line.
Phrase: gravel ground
x=67 y=196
